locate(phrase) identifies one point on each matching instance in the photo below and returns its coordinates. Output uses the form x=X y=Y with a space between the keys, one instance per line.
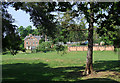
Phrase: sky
x=21 y=17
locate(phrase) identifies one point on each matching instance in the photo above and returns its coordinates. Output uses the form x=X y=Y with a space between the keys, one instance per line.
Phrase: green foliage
x=42 y=40
x=70 y=30
x=26 y=31
x=13 y=43
x=97 y=41
x=61 y=48
x=108 y=27
x=44 y=47
x=40 y=15
x=117 y=40
x=10 y=38
x=34 y=50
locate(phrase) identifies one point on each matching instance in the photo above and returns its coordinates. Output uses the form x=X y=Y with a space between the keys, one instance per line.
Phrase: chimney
x=30 y=34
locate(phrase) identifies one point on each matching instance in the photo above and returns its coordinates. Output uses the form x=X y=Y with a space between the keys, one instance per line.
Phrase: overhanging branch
x=78 y=30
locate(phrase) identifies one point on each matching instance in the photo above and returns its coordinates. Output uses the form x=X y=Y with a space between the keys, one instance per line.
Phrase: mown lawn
x=51 y=66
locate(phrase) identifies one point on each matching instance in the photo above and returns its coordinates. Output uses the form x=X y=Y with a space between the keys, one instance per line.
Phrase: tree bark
x=89 y=60
x=45 y=38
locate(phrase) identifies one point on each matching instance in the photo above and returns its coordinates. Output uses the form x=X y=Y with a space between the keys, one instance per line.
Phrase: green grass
x=54 y=67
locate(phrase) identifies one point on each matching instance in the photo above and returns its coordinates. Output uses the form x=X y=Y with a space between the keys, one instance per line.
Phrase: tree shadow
x=24 y=72
x=37 y=72
x=100 y=80
x=107 y=65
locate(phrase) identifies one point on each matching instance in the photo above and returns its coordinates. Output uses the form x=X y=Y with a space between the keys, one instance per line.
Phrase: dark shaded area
x=94 y=80
x=32 y=73
x=100 y=80
x=7 y=52
x=107 y=65
x=36 y=72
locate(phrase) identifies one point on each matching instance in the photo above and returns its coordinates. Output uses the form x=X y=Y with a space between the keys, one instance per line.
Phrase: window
x=36 y=42
x=26 y=42
x=33 y=42
x=33 y=47
x=31 y=39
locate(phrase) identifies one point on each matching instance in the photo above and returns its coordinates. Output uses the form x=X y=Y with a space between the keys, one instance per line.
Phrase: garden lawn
x=51 y=66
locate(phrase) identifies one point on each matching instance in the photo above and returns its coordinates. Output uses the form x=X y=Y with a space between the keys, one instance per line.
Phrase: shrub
x=34 y=50
x=45 y=46
x=24 y=50
x=61 y=48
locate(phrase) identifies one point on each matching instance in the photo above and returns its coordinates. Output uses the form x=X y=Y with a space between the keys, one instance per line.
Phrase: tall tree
x=93 y=11
x=10 y=37
x=89 y=65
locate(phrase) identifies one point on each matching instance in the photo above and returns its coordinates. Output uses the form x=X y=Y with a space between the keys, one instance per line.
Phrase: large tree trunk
x=89 y=60
x=45 y=38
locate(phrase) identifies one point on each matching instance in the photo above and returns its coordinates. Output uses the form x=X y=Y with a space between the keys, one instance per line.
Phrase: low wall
x=95 y=48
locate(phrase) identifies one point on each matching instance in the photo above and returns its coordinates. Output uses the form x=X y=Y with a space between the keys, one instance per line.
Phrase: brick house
x=31 y=41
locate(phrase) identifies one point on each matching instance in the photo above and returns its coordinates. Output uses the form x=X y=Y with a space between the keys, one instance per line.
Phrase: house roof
x=38 y=37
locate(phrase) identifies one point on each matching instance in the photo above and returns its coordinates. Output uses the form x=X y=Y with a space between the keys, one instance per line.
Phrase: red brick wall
x=31 y=41
x=95 y=48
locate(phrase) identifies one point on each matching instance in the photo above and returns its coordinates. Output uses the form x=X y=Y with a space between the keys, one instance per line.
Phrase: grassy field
x=51 y=66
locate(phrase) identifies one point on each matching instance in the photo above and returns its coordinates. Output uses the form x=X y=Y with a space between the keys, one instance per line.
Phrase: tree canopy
x=10 y=37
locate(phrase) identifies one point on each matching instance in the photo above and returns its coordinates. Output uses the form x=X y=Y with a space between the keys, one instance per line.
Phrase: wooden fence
x=95 y=48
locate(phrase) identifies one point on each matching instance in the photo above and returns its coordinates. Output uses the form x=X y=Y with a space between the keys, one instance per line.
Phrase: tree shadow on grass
x=107 y=65
x=24 y=72
x=36 y=72
x=100 y=80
